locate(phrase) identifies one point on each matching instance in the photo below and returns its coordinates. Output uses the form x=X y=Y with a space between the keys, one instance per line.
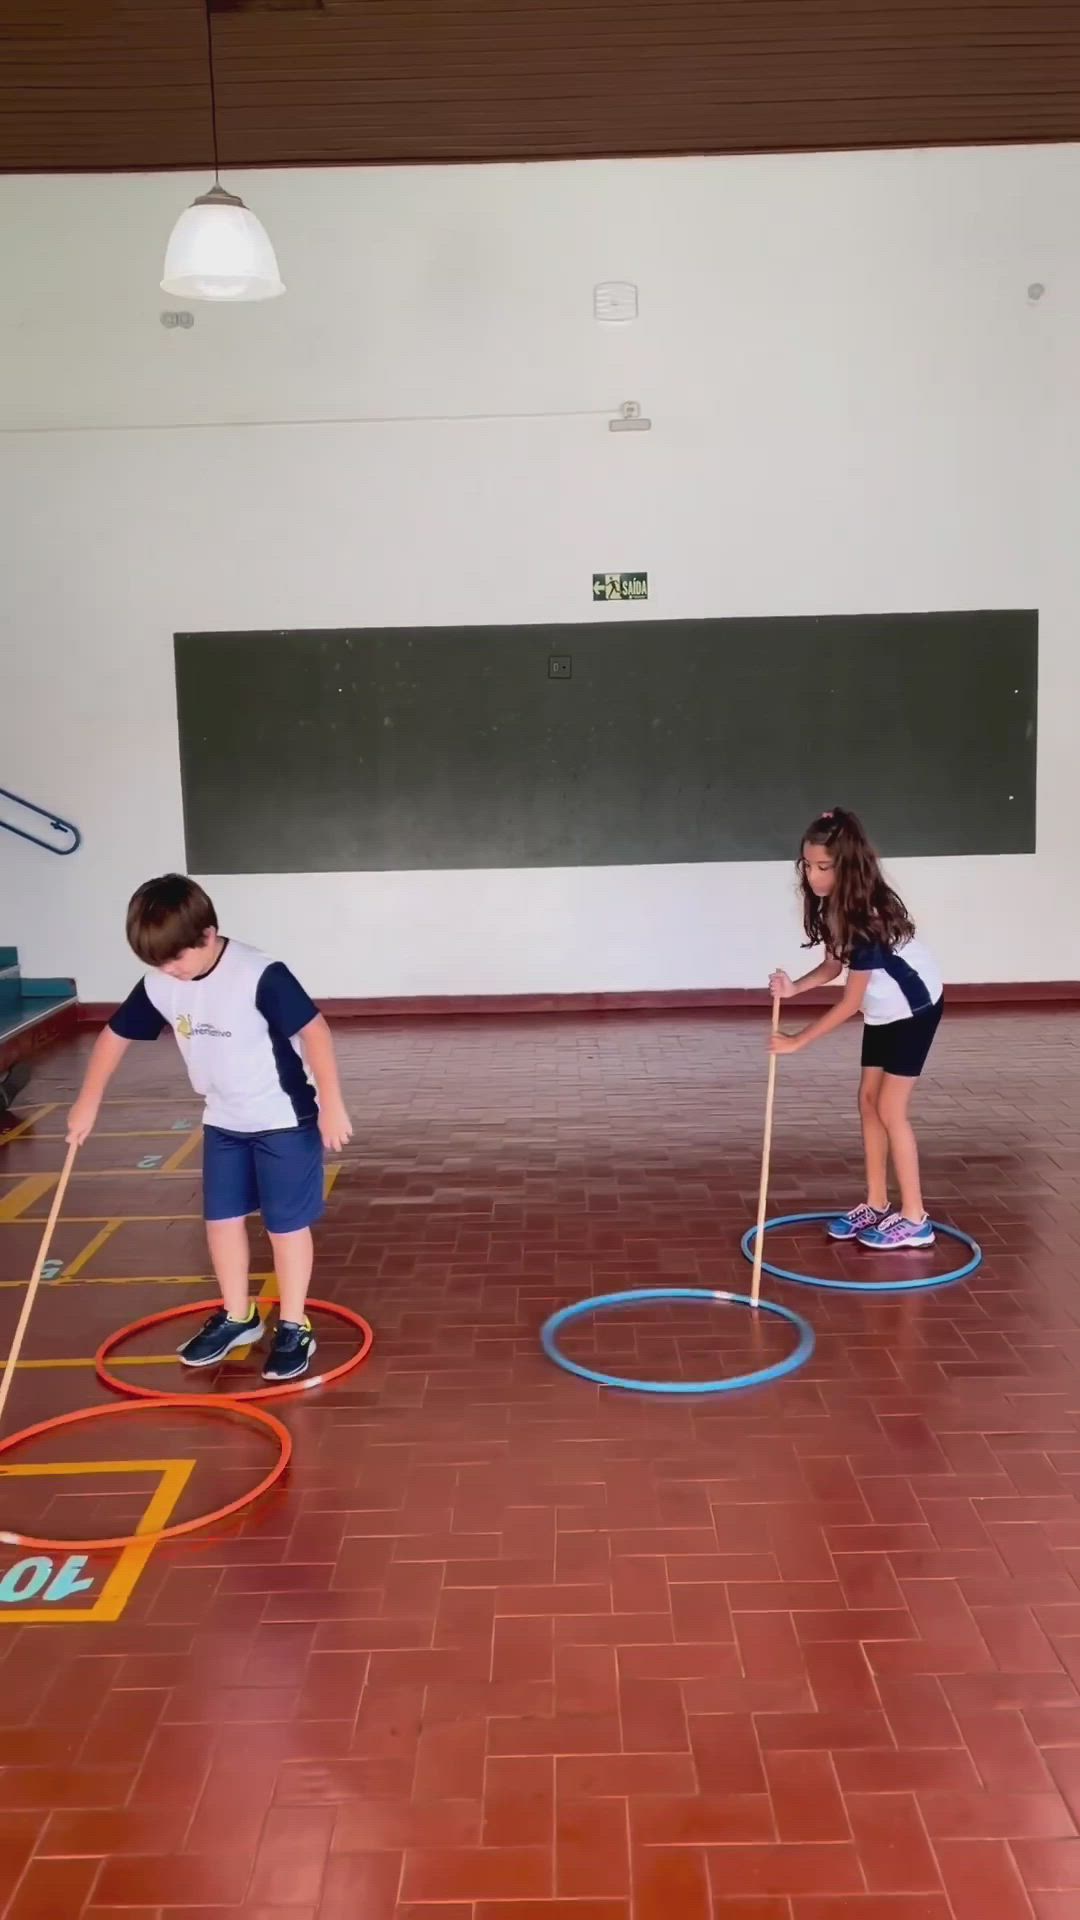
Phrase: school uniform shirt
x=236 y=1028
x=903 y=980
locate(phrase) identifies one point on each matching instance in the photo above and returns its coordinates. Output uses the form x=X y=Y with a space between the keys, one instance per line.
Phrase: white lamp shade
x=218 y=250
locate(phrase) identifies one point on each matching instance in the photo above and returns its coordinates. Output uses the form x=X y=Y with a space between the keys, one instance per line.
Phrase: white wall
x=856 y=409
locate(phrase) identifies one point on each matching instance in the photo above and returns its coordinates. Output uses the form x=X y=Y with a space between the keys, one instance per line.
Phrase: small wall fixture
x=630 y=419
x=615 y=303
x=218 y=249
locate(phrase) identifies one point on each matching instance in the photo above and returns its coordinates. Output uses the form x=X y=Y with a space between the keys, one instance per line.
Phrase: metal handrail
x=55 y=822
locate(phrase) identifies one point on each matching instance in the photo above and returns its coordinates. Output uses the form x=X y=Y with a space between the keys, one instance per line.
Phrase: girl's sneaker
x=849 y=1225
x=895 y=1233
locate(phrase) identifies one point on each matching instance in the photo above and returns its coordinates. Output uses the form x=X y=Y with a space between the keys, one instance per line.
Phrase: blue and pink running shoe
x=848 y=1226
x=894 y=1234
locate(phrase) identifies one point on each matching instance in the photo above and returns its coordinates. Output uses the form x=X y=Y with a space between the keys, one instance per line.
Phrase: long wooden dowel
x=766 y=1152
x=31 y=1291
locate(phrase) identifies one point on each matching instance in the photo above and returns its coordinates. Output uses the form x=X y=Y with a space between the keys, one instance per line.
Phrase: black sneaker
x=290 y=1355
x=218 y=1336
x=12 y=1083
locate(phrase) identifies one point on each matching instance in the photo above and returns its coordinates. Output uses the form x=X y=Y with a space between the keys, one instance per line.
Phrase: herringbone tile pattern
x=508 y=1647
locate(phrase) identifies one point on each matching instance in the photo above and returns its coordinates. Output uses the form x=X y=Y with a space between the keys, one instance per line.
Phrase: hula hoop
x=200 y=1403
x=110 y=1379
x=921 y=1285
x=797 y=1358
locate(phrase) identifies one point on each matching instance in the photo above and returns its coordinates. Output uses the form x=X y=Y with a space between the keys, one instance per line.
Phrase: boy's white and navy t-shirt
x=903 y=980
x=236 y=1027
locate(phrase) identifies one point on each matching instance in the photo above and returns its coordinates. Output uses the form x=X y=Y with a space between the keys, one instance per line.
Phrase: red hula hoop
x=287 y=1387
x=187 y=1402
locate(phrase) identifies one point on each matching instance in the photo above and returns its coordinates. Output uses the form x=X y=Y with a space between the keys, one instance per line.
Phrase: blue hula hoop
x=797 y=1358
x=920 y=1285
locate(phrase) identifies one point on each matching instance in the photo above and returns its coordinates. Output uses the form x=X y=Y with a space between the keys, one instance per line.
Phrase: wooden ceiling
x=122 y=84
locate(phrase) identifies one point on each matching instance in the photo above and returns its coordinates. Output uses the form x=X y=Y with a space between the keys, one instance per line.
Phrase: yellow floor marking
x=114 y=1133
x=133 y=1173
x=98 y=1219
x=135 y=1280
x=176 y=1160
x=24 y=1126
x=147 y=1100
x=92 y=1246
x=173 y=1164
x=113 y=1173
x=25 y=1193
x=115 y=1594
x=129 y=1220
x=132 y=1360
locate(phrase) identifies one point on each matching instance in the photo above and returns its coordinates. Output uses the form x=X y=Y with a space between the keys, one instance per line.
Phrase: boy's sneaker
x=895 y=1233
x=290 y=1355
x=12 y=1083
x=849 y=1225
x=218 y=1336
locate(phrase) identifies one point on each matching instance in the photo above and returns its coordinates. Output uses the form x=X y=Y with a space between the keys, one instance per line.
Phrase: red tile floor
x=507 y=1647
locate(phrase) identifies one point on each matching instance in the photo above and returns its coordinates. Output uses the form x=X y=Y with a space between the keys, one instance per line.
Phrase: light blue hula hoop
x=797 y=1358
x=864 y=1286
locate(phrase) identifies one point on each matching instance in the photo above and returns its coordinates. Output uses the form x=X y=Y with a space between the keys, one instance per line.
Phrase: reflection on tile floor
x=506 y=1646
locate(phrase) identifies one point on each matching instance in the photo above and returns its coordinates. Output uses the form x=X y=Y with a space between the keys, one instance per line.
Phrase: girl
x=850 y=910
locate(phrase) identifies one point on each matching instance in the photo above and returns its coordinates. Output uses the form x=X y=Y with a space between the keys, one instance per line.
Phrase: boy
x=260 y=1053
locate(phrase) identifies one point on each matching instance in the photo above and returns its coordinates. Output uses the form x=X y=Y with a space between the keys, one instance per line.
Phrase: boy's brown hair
x=167 y=916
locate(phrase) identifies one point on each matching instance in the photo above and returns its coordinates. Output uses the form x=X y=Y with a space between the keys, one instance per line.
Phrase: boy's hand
x=335 y=1127
x=81 y=1120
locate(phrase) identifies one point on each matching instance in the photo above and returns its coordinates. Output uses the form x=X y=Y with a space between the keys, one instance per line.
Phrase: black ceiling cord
x=208 y=8
x=268 y=6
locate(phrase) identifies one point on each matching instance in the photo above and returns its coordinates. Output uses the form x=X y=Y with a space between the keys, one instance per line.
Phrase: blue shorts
x=278 y=1174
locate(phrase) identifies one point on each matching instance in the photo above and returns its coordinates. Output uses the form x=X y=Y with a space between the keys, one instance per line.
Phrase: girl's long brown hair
x=862 y=905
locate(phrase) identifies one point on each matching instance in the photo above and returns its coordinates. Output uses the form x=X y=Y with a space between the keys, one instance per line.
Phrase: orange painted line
x=26 y=1193
x=115 y=1133
x=118 y=1588
x=99 y=1219
x=134 y=1280
x=92 y=1246
x=176 y=1160
x=24 y=1126
x=127 y=1220
x=132 y=1360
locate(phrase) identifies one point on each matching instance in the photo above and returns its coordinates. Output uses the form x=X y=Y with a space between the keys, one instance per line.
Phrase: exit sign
x=620 y=586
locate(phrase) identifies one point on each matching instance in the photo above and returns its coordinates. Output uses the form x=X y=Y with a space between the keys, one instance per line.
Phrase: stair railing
x=64 y=829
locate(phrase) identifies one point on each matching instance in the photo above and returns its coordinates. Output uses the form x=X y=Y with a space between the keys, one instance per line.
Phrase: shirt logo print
x=187 y=1030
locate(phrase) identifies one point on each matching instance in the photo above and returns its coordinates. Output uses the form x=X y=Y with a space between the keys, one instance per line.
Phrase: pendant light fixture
x=218 y=250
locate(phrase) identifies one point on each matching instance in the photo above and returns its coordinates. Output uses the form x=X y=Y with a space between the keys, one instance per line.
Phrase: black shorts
x=900 y=1047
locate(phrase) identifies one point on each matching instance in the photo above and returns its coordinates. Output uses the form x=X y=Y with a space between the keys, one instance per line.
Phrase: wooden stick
x=766 y=1152
x=35 y=1277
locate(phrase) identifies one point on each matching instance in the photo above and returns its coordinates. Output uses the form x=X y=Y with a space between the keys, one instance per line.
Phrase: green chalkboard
x=604 y=744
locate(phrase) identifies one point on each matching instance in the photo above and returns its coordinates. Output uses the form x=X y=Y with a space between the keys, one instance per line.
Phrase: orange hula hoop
x=287 y=1387
x=186 y=1402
